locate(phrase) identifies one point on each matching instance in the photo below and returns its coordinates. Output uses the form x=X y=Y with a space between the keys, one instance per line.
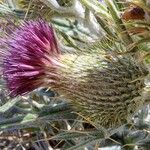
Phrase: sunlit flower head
x=31 y=56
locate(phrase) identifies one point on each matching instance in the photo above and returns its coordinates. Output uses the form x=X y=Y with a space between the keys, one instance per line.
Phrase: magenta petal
x=32 y=49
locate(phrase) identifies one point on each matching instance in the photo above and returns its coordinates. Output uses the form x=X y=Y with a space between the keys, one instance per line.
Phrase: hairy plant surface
x=75 y=73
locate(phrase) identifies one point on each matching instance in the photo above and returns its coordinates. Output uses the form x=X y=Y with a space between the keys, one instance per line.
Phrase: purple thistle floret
x=32 y=50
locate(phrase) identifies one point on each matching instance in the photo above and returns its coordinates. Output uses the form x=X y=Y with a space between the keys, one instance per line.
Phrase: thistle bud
x=133 y=13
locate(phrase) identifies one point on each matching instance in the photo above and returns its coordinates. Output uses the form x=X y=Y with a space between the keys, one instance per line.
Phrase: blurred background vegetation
x=42 y=120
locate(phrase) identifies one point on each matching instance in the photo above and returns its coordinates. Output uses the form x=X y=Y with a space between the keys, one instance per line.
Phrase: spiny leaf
x=48 y=114
x=8 y=105
x=79 y=134
x=84 y=143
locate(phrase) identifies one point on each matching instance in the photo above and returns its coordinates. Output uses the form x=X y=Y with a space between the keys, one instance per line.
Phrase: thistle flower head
x=32 y=49
x=103 y=89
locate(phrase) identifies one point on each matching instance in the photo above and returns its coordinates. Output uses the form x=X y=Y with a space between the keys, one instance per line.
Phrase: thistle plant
x=103 y=80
